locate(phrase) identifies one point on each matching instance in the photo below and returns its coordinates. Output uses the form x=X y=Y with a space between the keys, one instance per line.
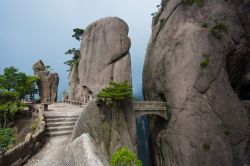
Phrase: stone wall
x=22 y=152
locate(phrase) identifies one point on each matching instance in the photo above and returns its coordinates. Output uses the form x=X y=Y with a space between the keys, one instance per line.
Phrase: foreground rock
x=82 y=150
x=104 y=57
x=47 y=83
x=195 y=60
x=107 y=129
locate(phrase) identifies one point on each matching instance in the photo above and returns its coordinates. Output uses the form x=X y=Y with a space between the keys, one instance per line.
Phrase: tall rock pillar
x=47 y=83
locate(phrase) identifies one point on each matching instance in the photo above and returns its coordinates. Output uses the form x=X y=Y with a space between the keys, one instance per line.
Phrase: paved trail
x=52 y=153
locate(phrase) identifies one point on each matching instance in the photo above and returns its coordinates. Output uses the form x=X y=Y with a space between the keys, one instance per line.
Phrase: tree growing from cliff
x=78 y=34
x=115 y=92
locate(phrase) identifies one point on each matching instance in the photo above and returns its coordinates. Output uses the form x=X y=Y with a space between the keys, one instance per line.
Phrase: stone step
x=59 y=133
x=53 y=124
x=58 y=117
x=59 y=128
x=61 y=120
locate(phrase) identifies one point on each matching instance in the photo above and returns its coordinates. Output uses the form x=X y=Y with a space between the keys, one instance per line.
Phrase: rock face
x=104 y=57
x=196 y=61
x=82 y=150
x=47 y=83
x=107 y=128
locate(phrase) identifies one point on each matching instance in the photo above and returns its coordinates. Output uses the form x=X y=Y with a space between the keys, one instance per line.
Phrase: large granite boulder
x=107 y=127
x=104 y=57
x=47 y=83
x=196 y=58
x=82 y=151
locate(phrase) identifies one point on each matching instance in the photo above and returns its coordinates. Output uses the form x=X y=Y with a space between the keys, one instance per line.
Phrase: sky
x=41 y=29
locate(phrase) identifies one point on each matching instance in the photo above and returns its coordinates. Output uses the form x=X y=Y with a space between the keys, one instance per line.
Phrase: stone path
x=52 y=153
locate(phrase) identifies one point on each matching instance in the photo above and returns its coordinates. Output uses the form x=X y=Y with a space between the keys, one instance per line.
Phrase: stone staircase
x=60 y=125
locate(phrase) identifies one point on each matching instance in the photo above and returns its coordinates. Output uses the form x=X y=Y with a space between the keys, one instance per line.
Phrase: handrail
x=74 y=102
x=137 y=105
x=150 y=105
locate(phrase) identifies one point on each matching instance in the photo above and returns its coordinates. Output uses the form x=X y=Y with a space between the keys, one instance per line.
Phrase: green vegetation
x=48 y=68
x=15 y=81
x=75 y=60
x=115 y=92
x=8 y=106
x=157 y=14
x=205 y=25
x=124 y=157
x=7 y=139
x=206 y=147
x=199 y=3
x=218 y=28
x=14 y=86
x=78 y=34
x=64 y=93
x=227 y=131
x=204 y=63
x=34 y=126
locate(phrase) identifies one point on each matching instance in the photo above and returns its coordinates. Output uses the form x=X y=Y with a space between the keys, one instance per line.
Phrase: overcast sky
x=41 y=29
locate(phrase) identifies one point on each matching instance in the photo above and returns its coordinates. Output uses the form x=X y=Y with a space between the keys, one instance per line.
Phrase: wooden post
x=45 y=107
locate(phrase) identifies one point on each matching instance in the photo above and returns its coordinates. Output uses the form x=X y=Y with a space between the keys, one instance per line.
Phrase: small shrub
x=199 y=3
x=205 y=25
x=156 y=17
x=206 y=147
x=218 y=28
x=204 y=63
x=124 y=157
x=34 y=126
x=7 y=139
x=157 y=14
x=115 y=92
x=226 y=131
x=164 y=3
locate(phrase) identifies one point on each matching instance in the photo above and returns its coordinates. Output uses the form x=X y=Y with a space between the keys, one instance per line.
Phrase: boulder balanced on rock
x=104 y=57
x=47 y=83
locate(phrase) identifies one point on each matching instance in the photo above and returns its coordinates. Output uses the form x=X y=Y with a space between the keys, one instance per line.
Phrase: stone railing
x=150 y=105
x=74 y=102
x=22 y=152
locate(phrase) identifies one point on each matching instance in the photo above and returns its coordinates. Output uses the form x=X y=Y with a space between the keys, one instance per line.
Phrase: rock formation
x=197 y=60
x=107 y=128
x=47 y=83
x=104 y=57
x=83 y=150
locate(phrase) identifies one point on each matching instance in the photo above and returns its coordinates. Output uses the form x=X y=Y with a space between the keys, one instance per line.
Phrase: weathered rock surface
x=104 y=57
x=82 y=151
x=47 y=83
x=107 y=126
x=198 y=75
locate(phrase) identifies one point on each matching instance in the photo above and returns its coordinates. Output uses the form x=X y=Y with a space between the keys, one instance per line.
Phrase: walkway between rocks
x=52 y=153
